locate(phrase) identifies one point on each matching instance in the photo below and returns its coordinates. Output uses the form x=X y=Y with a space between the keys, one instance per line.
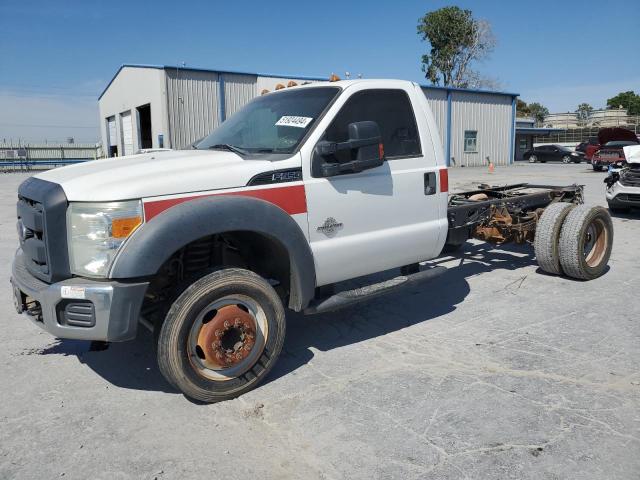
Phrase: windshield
x=273 y=123
x=619 y=143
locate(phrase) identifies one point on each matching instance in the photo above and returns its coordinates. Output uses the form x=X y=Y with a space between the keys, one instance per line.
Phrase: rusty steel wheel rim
x=596 y=239
x=227 y=338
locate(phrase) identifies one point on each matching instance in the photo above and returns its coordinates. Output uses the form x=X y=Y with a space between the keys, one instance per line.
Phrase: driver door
x=380 y=218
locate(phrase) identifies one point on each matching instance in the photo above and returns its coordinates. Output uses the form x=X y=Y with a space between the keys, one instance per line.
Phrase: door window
x=391 y=110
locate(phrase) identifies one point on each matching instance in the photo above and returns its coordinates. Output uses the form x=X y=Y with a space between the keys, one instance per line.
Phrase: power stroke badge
x=330 y=227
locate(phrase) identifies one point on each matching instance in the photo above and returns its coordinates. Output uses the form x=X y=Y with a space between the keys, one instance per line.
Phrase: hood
x=154 y=174
x=632 y=154
x=616 y=133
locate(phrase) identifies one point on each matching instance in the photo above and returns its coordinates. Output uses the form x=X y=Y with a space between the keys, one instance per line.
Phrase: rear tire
x=545 y=243
x=238 y=348
x=585 y=245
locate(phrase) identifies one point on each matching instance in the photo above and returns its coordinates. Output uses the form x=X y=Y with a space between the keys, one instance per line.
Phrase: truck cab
x=302 y=188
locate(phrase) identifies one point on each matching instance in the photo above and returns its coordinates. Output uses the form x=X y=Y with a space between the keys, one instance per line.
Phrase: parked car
x=549 y=153
x=612 y=141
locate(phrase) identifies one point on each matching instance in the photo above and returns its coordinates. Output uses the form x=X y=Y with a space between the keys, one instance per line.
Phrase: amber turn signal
x=123 y=227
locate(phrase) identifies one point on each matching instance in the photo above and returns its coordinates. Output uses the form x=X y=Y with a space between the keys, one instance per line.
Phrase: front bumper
x=622 y=196
x=78 y=308
x=598 y=162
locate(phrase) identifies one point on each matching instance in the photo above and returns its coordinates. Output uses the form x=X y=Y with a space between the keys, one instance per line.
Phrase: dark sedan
x=550 y=153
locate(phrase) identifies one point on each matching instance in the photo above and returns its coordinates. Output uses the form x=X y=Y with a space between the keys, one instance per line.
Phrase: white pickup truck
x=303 y=188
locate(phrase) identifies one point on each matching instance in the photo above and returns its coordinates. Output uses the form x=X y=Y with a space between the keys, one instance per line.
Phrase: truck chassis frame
x=503 y=214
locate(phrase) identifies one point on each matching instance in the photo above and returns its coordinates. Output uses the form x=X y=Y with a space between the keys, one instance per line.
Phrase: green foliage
x=522 y=109
x=455 y=39
x=538 y=112
x=583 y=112
x=533 y=110
x=628 y=100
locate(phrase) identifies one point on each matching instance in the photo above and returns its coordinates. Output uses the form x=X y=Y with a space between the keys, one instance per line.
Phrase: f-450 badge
x=330 y=227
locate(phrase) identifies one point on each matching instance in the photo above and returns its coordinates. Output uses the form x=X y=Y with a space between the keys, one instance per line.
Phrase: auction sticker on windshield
x=292 y=121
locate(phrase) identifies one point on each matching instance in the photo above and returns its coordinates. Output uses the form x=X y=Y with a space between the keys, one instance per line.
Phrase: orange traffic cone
x=491 y=167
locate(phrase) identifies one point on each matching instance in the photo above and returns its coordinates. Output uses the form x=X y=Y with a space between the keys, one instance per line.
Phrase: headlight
x=575 y=154
x=95 y=232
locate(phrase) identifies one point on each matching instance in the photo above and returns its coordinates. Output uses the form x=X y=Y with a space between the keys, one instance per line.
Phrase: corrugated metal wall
x=238 y=90
x=438 y=102
x=192 y=100
x=489 y=115
x=193 y=109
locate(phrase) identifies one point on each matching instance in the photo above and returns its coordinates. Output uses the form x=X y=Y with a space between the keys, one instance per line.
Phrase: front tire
x=597 y=168
x=533 y=159
x=222 y=335
x=566 y=159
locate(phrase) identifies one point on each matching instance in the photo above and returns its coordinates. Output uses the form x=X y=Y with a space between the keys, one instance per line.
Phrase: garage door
x=127 y=133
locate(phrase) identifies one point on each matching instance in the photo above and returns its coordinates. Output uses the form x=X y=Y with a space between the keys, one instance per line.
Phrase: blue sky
x=57 y=56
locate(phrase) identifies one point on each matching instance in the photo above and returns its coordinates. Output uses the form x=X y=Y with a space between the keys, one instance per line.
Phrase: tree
x=522 y=109
x=538 y=112
x=456 y=40
x=583 y=112
x=533 y=110
x=628 y=100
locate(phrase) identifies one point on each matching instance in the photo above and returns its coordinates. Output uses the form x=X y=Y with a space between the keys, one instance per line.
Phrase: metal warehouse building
x=151 y=106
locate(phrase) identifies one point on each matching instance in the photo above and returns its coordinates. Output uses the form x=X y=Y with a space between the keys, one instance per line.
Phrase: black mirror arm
x=329 y=148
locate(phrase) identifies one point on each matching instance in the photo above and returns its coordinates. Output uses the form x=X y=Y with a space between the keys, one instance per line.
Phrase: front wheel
x=222 y=335
x=533 y=159
x=566 y=159
x=597 y=168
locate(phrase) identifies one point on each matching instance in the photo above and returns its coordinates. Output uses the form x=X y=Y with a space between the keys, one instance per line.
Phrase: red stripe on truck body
x=291 y=199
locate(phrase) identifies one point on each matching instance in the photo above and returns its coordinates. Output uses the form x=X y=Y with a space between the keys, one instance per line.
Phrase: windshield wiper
x=231 y=148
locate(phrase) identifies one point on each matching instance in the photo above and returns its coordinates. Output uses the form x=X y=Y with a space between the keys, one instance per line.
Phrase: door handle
x=430 y=183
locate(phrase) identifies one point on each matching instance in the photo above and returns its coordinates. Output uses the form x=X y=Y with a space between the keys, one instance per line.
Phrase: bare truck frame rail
x=503 y=214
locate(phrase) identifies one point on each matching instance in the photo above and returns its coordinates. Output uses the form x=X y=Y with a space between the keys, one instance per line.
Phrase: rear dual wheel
x=574 y=240
x=222 y=335
x=547 y=239
x=586 y=240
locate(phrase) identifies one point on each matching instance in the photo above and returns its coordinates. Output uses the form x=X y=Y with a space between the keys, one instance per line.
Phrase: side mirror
x=362 y=151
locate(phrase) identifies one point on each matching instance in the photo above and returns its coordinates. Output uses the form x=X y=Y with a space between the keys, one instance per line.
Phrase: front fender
x=154 y=242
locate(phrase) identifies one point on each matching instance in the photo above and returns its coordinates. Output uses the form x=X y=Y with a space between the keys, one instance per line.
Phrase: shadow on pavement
x=418 y=304
x=133 y=365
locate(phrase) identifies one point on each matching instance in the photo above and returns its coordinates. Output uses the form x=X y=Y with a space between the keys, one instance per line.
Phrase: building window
x=523 y=144
x=470 y=141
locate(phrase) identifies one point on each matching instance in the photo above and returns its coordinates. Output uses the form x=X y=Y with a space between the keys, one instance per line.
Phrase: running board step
x=368 y=292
